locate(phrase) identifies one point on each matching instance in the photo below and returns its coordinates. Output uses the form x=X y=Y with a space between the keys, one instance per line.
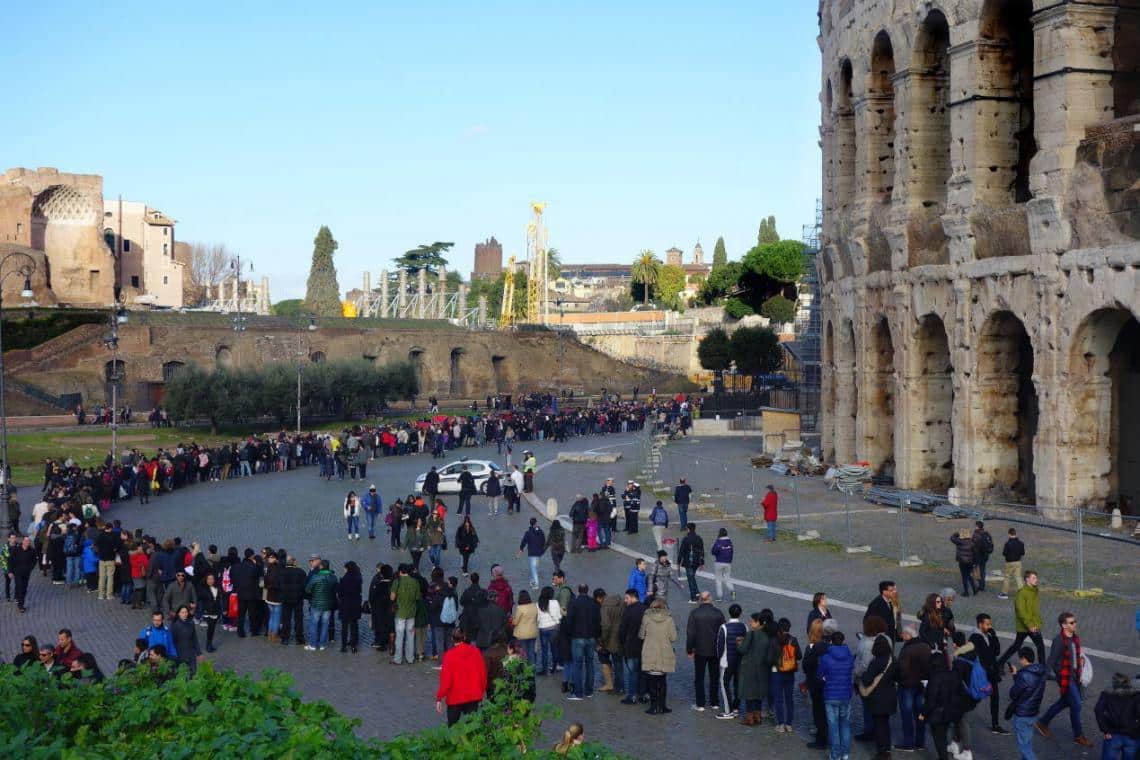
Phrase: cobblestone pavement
x=302 y=513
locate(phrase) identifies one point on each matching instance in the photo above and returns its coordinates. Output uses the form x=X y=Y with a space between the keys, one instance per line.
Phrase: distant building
x=673 y=257
x=488 y=259
x=149 y=272
x=698 y=255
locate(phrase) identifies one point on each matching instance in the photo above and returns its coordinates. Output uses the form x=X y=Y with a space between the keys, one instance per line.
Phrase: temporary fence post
x=847 y=511
x=799 y=517
x=1080 y=550
x=902 y=529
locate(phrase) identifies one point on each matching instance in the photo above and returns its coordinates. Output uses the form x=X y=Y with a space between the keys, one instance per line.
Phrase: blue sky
x=643 y=125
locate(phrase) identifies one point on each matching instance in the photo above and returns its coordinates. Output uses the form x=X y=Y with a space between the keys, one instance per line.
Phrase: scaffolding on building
x=808 y=327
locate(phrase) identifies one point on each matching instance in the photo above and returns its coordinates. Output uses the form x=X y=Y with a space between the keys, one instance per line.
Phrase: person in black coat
x=466 y=541
x=184 y=634
x=291 y=593
x=636 y=684
x=380 y=603
x=245 y=577
x=491 y=620
x=988 y=649
x=210 y=605
x=883 y=606
x=942 y=705
x=348 y=597
x=877 y=686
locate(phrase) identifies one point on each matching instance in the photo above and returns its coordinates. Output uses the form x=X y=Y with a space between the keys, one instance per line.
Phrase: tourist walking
x=579 y=514
x=466 y=542
x=184 y=634
x=1026 y=619
x=436 y=533
x=1025 y=698
x=1012 y=552
x=517 y=482
x=659 y=521
x=988 y=649
x=818 y=642
x=722 y=564
x=819 y=610
x=1066 y=666
x=682 y=494
x=943 y=703
x=770 y=504
x=691 y=556
x=556 y=543
x=534 y=543
x=637 y=580
x=417 y=542
x=610 y=651
x=658 y=660
x=836 y=669
x=380 y=604
x=1118 y=718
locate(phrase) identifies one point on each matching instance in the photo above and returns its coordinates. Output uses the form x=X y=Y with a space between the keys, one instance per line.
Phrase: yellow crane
x=507 y=312
x=537 y=294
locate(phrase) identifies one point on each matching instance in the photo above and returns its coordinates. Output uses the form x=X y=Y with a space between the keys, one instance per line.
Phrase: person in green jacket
x=406 y=596
x=417 y=542
x=755 y=665
x=321 y=593
x=1026 y=619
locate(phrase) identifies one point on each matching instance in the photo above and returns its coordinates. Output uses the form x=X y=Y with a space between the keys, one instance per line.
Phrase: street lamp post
x=561 y=327
x=118 y=317
x=26 y=269
x=300 y=365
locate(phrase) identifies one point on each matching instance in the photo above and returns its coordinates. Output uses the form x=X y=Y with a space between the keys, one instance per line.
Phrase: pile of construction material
x=847 y=478
x=791 y=461
x=916 y=501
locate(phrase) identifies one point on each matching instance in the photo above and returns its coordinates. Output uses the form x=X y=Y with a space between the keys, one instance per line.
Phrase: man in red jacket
x=770 y=503
x=462 y=680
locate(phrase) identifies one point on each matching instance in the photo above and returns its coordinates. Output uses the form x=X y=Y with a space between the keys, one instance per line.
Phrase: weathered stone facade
x=449 y=362
x=59 y=214
x=980 y=265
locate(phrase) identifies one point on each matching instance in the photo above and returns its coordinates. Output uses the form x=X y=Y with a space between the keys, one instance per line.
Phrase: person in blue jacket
x=1025 y=698
x=638 y=581
x=373 y=506
x=659 y=519
x=90 y=566
x=836 y=671
x=157 y=633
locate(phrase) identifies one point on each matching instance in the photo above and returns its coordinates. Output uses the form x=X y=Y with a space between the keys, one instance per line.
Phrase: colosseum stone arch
x=981 y=276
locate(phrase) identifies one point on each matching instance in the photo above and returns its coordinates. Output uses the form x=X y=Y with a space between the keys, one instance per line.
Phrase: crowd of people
x=925 y=678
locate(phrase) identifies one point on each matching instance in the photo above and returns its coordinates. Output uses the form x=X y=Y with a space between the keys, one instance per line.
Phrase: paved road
x=302 y=513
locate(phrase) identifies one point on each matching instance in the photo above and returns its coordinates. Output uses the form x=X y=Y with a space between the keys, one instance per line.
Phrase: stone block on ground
x=589 y=457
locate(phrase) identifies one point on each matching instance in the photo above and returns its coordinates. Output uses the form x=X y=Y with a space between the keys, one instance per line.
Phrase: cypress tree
x=720 y=255
x=322 y=293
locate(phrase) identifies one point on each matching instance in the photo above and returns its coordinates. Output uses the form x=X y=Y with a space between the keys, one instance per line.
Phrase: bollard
x=1080 y=551
x=801 y=534
x=552 y=508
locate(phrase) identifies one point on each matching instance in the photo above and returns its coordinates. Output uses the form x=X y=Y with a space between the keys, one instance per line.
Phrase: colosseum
x=981 y=263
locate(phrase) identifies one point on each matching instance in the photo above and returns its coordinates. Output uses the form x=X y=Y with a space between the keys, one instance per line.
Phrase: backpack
x=987 y=543
x=787 y=662
x=450 y=612
x=979 y=686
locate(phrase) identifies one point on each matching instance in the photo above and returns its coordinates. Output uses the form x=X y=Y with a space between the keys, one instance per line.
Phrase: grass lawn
x=90 y=444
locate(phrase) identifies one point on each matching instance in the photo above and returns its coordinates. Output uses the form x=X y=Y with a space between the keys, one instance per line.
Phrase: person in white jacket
x=352 y=515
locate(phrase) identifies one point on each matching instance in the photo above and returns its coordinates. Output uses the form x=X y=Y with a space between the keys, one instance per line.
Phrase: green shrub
x=221 y=713
x=779 y=309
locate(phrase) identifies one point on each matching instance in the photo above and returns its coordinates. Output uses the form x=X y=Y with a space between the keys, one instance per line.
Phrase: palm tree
x=646 y=270
x=553 y=263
